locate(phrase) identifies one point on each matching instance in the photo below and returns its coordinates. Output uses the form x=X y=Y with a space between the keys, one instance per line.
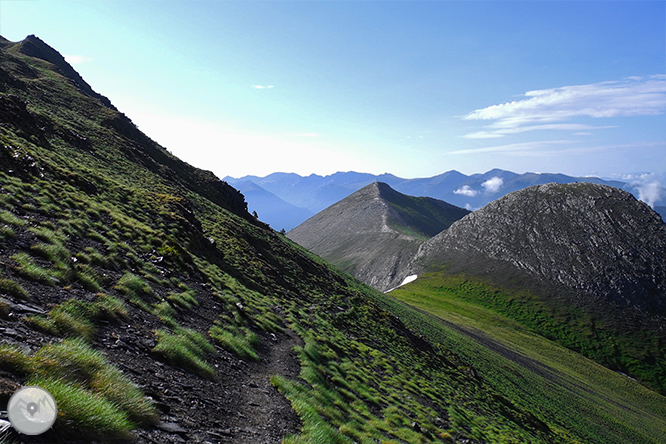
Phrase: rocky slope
x=592 y=239
x=584 y=262
x=373 y=233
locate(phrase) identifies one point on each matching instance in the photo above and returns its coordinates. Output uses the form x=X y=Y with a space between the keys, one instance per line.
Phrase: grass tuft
x=11 y=288
x=187 y=349
x=76 y=318
x=95 y=400
x=238 y=340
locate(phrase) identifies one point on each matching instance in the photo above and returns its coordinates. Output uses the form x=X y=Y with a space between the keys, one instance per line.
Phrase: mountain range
x=155 y=308
x=313 y=193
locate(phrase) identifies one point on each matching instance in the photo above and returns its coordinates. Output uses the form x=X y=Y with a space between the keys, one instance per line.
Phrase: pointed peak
x=33 y=46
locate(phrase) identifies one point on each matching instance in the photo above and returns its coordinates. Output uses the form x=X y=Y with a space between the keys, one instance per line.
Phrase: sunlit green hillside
x=536 y=373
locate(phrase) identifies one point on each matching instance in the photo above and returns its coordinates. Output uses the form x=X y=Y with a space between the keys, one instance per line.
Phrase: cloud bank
x=648 y=186
x=544 y=109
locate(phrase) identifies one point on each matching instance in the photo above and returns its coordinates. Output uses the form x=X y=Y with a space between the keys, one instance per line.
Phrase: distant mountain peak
x=373 y=232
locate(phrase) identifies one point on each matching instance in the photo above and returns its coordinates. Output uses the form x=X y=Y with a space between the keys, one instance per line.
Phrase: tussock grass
x=238 y=340
x=136 y=289
x=78 y=318
x=11 y=288
x=30 y=270
x=185 y=300
x=87 y=414
x=9 y=218
x=187 y=349
x=95 y=400
x=6 y=233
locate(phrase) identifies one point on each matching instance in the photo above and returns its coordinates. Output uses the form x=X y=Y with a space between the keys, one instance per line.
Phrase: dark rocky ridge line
x=33 y=46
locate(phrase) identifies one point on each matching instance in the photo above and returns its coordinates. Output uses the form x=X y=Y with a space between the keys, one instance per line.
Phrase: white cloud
x=493 y=185
x=77 y=59
x=649 y=192
x=483 y=135
x=648 y=186
x=501 y=132
x=634 y=96
x=263 y=86
x=465 y=190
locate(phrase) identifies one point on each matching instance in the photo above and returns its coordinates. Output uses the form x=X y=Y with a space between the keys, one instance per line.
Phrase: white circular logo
x=32 y=410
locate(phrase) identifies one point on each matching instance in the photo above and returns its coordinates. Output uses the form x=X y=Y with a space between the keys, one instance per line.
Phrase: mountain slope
x=374 y=232
x=125 y=272
x=578 y=248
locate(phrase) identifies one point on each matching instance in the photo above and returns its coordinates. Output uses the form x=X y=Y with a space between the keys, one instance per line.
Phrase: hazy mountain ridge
x=316 y=192
x=373 y=233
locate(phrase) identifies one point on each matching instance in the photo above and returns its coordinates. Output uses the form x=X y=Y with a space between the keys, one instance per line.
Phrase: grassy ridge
x=567 y=390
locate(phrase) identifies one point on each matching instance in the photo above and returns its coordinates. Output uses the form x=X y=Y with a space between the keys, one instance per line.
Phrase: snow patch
x=405 y=281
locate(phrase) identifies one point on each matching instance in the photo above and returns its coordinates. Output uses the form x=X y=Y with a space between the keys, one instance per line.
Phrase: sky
x=413 y=88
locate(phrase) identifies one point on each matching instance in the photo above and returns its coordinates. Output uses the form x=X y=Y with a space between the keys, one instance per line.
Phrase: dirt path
x=241 y=407
x=264 y=415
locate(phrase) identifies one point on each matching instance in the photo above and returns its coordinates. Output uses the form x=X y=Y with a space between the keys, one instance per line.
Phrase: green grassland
x=567 y=389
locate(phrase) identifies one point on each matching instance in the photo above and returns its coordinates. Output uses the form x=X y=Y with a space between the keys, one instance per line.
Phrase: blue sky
x=415 y=88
